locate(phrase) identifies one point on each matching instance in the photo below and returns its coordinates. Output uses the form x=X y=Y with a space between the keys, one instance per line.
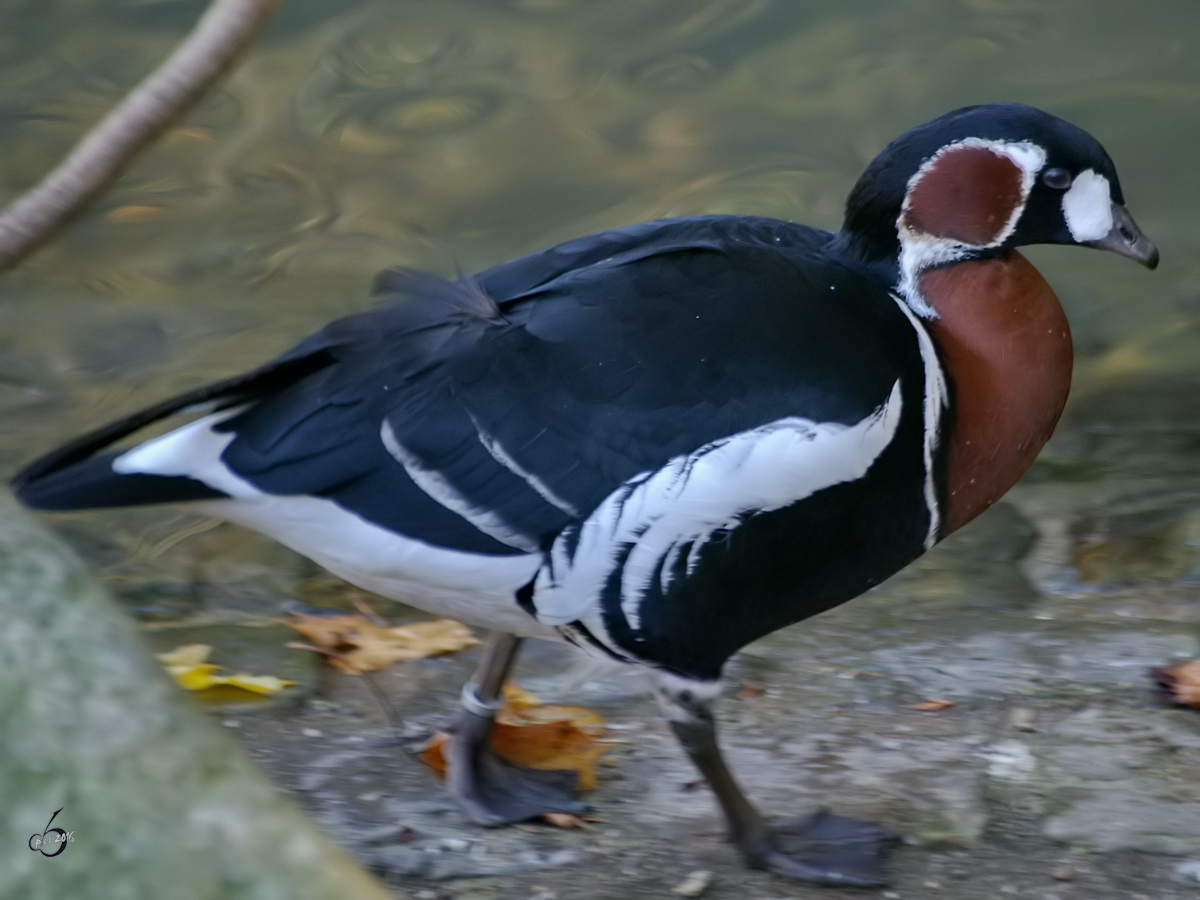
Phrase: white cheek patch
x=1087 y=207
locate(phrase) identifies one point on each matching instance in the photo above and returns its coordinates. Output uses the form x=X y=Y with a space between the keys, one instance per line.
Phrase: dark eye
x=1057 y=179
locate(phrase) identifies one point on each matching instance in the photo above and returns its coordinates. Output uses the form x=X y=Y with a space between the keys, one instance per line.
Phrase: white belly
x=474 y=588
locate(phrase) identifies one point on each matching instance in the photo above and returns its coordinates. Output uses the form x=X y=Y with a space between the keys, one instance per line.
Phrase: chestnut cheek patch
x=969 y=194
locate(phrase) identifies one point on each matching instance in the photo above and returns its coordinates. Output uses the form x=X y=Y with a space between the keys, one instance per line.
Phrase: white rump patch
x=656 y=516
x=433 y=483
x=475 y=588
x=920 y=251
x=1087 y=207
x=194 y=451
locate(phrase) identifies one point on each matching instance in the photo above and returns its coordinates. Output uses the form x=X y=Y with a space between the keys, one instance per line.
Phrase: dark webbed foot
x=494 y=791
x=823 y=848
x=490 y=789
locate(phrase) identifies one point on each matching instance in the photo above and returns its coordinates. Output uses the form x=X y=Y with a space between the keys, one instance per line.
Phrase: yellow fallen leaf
x=186 y=664
x=258 y=684
x=194 y=678
x=358 y=645
x=185 y=655
x=538 y=735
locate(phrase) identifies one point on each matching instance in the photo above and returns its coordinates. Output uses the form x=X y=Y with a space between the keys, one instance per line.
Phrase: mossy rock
x=160 y=803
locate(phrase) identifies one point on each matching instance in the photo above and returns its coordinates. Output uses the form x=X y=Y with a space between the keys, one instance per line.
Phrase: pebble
x=311 y=732
x=1009 y=760
x=890 y=895
x=232 y=723
x=1189 y=870
x=1062 y=873
x=695 y=884
x=1023 y=719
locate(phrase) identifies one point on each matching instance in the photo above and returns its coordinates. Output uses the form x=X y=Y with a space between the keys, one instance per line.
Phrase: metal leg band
x=471 y=702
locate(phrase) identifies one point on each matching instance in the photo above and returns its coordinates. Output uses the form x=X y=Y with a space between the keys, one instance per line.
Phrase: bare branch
x=226 y=27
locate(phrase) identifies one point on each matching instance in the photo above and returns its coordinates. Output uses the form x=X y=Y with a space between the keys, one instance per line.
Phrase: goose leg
x=820 y=848
x=490 y=789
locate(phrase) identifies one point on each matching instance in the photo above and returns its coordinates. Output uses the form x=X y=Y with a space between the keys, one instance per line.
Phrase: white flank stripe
x=500 y=455
x=472 y=587
x=654 y=515
x=937 y=399
x=1087 y=206
x=433 y=483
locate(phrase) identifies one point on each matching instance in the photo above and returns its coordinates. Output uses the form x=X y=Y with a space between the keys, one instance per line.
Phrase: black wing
x=488 y=413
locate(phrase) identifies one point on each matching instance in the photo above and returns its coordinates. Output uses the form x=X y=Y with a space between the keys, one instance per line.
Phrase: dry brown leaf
x=538 y=735
x=358 y=645
x=359 y=600
x=1182 y=682
x=933 y=705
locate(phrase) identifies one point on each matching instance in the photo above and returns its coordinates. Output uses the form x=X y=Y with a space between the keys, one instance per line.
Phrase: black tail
x=92 y=484
x=75 y=477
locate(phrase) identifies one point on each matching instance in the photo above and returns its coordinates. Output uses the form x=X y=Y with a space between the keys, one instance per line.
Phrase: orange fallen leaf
x=1182 y=682
x=188 y=666
x=124 y=215
x=539 y=735
x=355 y=644
x=933 y=705
x=749 y=690
x=565 y=820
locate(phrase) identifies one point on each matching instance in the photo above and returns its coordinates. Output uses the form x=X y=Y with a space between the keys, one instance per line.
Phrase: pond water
x=456 y=133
